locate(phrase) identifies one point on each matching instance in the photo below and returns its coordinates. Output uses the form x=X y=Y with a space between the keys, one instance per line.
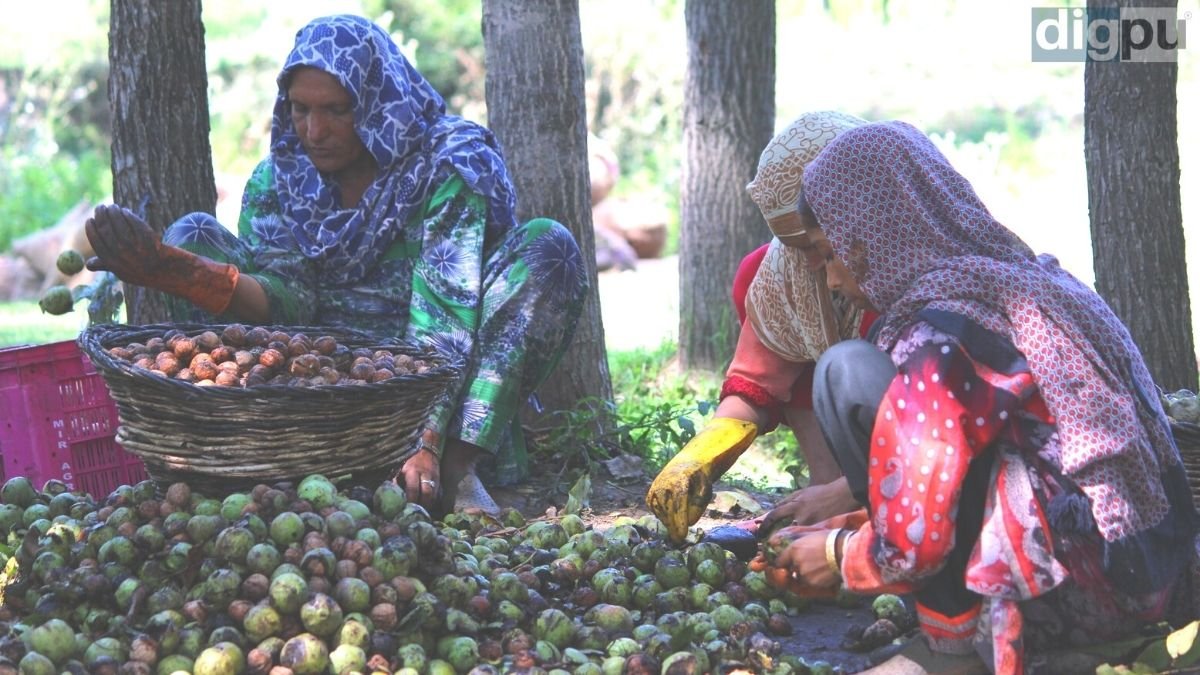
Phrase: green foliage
x=656 y=410
x=36 y=191
x=22 y=323
x=105 y=298
x=634 y=62
x=245 y=45
x=1159 y=648
x=444 y=41
x=595 y=430
x=577 y=498
x=54 y=136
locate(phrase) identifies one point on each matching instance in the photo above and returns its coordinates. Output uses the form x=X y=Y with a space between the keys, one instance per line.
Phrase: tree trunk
x=158 y=93
x=1132 y=153
x=728 y=117
x=535 y=101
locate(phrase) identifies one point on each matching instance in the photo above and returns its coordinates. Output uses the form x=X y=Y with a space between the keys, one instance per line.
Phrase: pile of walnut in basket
x=241 y=356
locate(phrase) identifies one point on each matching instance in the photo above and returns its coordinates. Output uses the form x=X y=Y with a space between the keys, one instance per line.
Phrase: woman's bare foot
x=461 y=488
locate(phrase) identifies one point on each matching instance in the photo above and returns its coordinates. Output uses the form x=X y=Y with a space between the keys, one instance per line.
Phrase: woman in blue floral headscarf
x=378 y=211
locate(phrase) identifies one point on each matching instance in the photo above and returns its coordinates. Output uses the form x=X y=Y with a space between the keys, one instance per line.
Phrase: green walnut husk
x=56 y=300
x=69 y=262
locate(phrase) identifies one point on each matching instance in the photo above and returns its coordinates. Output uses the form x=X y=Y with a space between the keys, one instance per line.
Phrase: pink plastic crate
x=57 y=420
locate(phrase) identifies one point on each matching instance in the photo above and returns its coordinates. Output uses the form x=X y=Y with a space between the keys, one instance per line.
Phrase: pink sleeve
x=939 y=414
x=753 y=362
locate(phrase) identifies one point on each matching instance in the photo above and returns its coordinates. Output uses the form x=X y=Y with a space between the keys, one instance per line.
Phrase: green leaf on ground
x=1154 y=657
x=579 y=494
x=735 y=503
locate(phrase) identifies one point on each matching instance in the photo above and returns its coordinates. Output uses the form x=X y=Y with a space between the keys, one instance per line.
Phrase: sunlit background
x=960 y=70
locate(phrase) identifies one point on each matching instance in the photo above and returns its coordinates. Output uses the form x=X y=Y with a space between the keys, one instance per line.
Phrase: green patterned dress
x=506 y=302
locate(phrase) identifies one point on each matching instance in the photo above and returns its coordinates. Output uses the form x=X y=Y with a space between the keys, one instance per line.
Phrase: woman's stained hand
x=421 y=477
x=124 y=244
x=810 y=505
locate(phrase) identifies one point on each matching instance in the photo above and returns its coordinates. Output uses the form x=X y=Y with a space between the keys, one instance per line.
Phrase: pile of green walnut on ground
x=308 y=579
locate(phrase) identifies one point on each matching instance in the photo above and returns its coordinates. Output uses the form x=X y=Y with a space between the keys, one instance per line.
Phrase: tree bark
x=1131 y=151
x=158 y=94
x=535 y=101
x=728 y=117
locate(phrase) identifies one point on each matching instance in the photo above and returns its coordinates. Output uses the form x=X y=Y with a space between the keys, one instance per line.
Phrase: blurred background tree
x=159 y=104
x=535 y=95
x=729 y=115
x=1131 y=148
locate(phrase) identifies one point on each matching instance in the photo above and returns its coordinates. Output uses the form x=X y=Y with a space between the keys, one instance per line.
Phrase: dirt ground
x=818 y=632
x=640 y=309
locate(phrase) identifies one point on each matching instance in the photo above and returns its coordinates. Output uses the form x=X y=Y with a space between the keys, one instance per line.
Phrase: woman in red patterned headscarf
x=1022 y=481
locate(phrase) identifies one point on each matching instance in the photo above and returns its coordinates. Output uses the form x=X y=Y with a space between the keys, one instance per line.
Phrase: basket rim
x=96 y=340
x=368 y=427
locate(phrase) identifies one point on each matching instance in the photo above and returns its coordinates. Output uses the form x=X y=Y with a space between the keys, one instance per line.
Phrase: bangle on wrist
x=431 y=440
x=831 y=551
x=840 y=546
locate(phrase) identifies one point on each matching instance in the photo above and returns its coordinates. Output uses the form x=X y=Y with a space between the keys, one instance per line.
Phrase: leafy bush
x=54 y=117
x=36 y=192
x=656 y=410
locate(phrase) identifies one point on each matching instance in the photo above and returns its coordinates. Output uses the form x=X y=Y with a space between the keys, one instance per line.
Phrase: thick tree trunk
x=535 y=101
x=1132 y=153
x=728 y=116
x=158 y=93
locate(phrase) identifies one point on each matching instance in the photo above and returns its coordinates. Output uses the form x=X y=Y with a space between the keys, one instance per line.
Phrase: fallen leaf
x=577 y=498
x=1182 y=642
x=625 y=467
x=734 y=503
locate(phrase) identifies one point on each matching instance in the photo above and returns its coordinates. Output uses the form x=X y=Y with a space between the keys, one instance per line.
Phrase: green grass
x=646 y=381
x=23 y=323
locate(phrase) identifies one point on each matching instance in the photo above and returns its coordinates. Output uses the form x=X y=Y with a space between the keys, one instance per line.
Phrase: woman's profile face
x=819 y=254
x=323 y=116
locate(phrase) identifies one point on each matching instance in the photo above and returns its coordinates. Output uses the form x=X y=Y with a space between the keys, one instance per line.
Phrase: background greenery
x=960 y=70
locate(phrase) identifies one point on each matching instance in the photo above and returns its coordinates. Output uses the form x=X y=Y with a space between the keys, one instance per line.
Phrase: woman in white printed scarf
x=789 y=318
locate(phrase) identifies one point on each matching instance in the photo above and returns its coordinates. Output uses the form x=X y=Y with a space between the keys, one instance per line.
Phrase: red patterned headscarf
x=916 y=236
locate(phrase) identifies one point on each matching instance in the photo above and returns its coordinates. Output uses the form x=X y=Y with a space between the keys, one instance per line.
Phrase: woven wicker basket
x=222 y=439
x=1187 y=438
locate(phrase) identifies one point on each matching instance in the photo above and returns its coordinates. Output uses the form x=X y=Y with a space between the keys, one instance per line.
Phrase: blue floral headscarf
x=402 y=121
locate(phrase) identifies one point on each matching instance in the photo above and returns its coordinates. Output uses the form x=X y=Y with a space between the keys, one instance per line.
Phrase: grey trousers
x=850 y=380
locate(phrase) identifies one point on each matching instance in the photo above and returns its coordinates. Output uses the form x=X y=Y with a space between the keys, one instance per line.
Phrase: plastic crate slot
x=96 y=484
x=94 y=455
x=81 y=391
x=135 y=472
x=89 y=423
